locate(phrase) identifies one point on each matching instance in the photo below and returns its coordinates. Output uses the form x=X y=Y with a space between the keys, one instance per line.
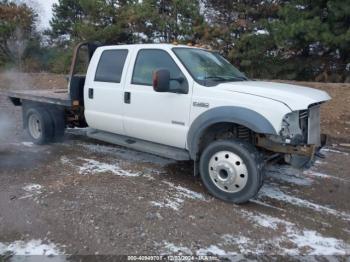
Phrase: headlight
x=294 y=126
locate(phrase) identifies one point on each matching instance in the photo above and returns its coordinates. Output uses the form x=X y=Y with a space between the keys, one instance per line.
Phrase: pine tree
x=315 y=38
x=166 y=20
x=17 y=32
x=239 y=29
x=89 y=20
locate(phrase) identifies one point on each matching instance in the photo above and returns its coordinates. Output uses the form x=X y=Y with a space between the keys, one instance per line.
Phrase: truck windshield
x=208 y=68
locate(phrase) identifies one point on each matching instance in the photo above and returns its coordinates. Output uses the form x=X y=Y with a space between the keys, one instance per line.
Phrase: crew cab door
x=103 y=91
x=158 y=117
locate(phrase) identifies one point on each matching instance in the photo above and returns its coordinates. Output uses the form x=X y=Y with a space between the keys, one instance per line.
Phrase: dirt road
x=85 y=197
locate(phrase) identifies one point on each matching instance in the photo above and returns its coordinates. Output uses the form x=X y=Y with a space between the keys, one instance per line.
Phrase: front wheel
x=231 y=170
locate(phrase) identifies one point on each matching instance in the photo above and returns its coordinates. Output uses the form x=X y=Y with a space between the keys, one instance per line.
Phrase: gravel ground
x=85 y=197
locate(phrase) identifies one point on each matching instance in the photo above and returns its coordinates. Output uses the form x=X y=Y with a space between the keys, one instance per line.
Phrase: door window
x=110 y=66
x=149 y=61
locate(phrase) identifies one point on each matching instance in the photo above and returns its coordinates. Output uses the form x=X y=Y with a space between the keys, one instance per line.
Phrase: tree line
x=294 y=39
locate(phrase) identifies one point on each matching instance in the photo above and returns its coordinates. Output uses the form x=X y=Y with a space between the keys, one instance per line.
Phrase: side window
x=110 y=66
x=148 y=61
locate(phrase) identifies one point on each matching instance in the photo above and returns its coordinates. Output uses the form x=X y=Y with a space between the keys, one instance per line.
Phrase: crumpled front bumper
x=298 y=156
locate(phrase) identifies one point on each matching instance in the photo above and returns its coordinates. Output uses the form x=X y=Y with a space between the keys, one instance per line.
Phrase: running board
x=140 y=145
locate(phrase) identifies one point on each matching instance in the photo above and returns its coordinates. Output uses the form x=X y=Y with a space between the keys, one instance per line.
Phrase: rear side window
x=150 y=60
x=110 y=66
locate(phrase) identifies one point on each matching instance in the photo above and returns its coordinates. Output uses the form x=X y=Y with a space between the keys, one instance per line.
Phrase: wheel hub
x=228 y=171
x=34 y=126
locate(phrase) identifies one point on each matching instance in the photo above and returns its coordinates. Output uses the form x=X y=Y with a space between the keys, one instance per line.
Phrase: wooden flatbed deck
x=57 y=96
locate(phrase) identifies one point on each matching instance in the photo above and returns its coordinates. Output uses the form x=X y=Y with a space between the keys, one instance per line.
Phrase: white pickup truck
x=183 y=103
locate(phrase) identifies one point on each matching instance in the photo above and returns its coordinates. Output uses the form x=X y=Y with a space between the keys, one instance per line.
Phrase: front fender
x=228 y=114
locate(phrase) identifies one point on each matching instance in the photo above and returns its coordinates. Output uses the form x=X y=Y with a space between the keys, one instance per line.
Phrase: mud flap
x=298 y=161
x=318 y=153
x=196 y=168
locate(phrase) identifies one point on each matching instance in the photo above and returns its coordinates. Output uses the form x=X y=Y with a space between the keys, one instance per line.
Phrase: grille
x=303 y=124
x=303 y=114
x=314 y=128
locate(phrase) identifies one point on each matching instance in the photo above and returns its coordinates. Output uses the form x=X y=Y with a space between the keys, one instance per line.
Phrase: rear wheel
x=57 y=116
x=231 y=170
x=39 y=125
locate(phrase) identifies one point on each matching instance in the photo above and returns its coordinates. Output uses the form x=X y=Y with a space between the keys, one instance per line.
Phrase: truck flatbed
x=54 y=96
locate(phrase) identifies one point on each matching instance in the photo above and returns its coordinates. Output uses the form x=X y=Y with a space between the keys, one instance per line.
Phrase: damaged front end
x=300 y=138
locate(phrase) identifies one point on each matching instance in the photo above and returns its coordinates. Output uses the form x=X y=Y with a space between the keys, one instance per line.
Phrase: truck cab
x=190 y=103
x=124 y=101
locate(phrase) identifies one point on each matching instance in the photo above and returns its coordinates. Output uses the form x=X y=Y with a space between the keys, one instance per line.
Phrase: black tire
x=45 y=125
x=59 y=124
x=251 y=159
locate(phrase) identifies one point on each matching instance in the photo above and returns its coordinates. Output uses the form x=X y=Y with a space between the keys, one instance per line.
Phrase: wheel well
x=224 y=130
x=53 y=110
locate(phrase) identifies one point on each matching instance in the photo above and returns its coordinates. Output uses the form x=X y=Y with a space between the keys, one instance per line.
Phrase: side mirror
x=161 y=80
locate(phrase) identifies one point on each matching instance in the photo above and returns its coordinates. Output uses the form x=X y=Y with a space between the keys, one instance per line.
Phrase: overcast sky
x=44 y=10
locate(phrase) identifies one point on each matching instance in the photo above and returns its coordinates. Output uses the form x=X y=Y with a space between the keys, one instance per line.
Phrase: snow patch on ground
x=77 y=128
x=28 y=144
x=31 y=190
x=177 y=196
x=170 y=248
x=261 y=203
x=185 y=192
x=293 y=176
x=305 y=242
x=21 y=144
x=263 y=220
x=275 y=193
x=91 y=166
x=288 y=174
x=311 y=173
x=245 y=245
x=290 y=240
x=214 y=250
x=320 y=245
x=126 y=154
x=329 y=150
x=319 y=162
x=173 y=203
x=30 y=248
x=65 y=160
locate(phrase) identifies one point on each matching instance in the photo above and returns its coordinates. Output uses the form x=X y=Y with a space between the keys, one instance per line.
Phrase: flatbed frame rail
x=59 y=97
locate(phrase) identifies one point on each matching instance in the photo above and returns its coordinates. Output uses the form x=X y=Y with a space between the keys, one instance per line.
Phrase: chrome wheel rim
x=34 y=126
x=228 y=171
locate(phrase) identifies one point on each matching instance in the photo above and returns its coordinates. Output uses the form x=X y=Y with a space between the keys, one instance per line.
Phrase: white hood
x=295 y=97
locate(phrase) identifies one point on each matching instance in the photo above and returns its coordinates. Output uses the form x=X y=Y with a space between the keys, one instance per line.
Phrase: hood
x=295 y=97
